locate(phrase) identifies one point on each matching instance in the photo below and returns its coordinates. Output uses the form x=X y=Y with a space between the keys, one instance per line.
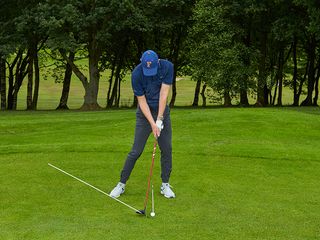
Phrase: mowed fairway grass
x=238 y=173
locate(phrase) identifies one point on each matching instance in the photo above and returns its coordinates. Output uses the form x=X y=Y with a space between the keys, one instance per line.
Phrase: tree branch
x=75 y=69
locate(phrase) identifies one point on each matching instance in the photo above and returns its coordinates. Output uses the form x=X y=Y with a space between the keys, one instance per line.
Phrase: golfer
x=151 y=82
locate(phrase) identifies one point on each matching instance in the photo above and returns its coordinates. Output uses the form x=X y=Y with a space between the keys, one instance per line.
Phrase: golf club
x=143 y=212
x=136 y=210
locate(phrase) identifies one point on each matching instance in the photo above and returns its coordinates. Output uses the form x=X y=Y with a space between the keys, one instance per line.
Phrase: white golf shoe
x=166 y=191
x=118 y=190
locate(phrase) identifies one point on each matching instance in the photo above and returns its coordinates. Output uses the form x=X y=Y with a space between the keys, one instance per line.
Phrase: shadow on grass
x=309 y=110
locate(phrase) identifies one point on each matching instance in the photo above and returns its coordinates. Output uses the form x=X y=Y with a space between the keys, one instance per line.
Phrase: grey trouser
x=142 y=132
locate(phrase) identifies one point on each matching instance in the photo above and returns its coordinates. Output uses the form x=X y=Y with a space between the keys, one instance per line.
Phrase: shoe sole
x=166 y=195
x=116 y=196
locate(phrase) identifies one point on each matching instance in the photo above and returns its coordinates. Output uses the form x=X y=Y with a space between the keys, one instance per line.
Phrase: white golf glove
x=159 y=124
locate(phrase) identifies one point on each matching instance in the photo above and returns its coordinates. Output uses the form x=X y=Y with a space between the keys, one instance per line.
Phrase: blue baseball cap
x=149 y=61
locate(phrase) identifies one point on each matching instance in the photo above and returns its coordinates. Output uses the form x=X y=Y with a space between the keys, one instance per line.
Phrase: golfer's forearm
x=145 y=109
x=164 y=92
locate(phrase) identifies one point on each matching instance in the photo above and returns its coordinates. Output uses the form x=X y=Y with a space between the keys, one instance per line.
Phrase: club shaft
x=150 y=174
x=88 y=184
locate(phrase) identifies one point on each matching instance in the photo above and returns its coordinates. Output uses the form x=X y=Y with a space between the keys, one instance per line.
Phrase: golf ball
x=152 y=214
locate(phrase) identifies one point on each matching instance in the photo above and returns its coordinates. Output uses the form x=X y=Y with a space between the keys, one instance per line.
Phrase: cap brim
x=150 y=71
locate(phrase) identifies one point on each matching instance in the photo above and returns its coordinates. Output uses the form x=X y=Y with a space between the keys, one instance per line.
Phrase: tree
x=8 y=44
x=221 y=49
x=162 y=28
x=33 y=39
x=101 y=28
x=73 y=25
x=312 y=33
x=3 y=83
x=171 y=33
x=63 y=104
x=19 y=39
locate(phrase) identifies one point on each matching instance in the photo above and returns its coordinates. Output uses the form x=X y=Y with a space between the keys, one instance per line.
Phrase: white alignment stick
x=152 y=199
x=136 y=210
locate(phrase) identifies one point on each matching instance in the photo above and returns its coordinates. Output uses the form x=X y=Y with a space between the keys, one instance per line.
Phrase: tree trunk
x=196 y=94
x=316 y=95
x=246 y=60
x=36 y=78
x=311 y=72
x=115 y=95
x=119 y=92
x=315 y=99
x=244 y=98
x=177 y=33
x=91 y=87
x=227 y=99
x=3 y=87
x=21 y=72
x=262 y=71
x=203 y=95
x=302 y=81
x=266 y=94
x=120 y=73
x=295 y=73
x=280 y=75
x=10 y=89
x=66 y=84
x=91 y=92
x=275 y=91
x=33 y=71
x=30 y=83
x=113 y=67
x=15 y=62
x=115 y=98
x=114 y=90
x=83 y=79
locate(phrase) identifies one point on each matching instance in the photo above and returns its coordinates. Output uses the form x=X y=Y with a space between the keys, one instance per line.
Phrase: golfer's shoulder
x=137 y=72
x=166 y=63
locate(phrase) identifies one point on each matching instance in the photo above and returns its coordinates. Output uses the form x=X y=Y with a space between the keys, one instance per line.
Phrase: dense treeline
x=234 y=47
x=243 y=47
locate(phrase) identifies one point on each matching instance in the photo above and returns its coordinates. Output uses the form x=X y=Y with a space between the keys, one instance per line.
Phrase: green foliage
x=220 y=56
x=233 y=41
x=219 y=42
x=9 y=39
x=311 y=8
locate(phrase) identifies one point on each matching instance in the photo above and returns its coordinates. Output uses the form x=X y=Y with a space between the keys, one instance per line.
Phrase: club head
x=141 y=212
